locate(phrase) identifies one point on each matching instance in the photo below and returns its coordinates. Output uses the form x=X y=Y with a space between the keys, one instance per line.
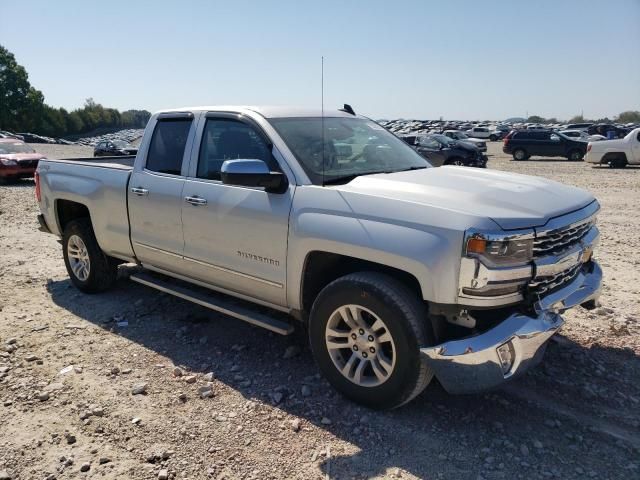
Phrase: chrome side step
x=214 y=301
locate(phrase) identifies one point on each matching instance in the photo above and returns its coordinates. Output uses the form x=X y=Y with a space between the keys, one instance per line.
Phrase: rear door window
x=167 y=145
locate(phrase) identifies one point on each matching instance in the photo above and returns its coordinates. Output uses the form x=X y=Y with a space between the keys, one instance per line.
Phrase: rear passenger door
x=155 y=193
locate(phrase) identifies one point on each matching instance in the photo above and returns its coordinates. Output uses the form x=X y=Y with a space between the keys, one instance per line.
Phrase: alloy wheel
x=360 y=345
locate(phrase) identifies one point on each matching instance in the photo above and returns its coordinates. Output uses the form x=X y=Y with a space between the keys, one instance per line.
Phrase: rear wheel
x=618 y=162
x=89 y=268
x=493 y=138
x=365 y=331
x=520 y=154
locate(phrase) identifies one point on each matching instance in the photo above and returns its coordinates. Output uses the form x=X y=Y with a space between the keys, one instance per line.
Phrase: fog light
x=507 y=356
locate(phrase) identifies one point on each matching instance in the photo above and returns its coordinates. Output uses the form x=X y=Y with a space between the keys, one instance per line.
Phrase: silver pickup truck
x=284 y=217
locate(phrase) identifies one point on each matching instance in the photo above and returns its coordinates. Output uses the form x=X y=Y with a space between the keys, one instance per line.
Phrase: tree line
x=630 y=116
x=22 y=108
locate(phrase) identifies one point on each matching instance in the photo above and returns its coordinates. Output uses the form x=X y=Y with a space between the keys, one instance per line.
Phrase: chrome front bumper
x=475 y=364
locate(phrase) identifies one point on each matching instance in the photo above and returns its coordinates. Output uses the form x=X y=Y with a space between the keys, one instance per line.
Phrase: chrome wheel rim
x=78 y=258
x=519 y=154
x=360 y=345
x=458 y=163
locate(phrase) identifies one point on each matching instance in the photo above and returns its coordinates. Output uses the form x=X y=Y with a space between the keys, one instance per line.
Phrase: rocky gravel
x=134 y=384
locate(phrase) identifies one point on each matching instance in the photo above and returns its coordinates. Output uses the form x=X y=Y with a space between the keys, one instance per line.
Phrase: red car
x=17 y=159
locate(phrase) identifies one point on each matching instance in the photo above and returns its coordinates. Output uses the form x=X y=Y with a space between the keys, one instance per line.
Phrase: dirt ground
x=69 y=363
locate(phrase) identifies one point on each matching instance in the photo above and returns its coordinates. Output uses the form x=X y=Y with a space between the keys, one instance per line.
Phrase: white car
x=463 y=137
x=616 y=153
x=582 y=135
x=479 y=132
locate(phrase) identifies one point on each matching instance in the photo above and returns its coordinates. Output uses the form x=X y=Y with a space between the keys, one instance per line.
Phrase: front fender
x=432 y=256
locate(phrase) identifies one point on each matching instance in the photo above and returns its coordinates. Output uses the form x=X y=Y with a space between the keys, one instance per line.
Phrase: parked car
x=607 y=130
x=463 y=137
x=17 y=160
x=582 y=135
x=479 y=132
x=114 y=148
x=523 y=144
x=398 y=271
x=616 y=153
x=578 y=126
x=498 y=134
x=442 y=150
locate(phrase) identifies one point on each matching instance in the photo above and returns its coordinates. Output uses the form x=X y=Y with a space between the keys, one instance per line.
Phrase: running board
x=214 y=301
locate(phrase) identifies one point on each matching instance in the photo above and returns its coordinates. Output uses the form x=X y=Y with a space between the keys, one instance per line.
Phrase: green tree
x=535 y=119
x=20 y=101
x=577 y=119
x=630 y=116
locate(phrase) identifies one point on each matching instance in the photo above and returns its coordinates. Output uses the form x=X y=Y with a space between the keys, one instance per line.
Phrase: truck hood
x=511 y=200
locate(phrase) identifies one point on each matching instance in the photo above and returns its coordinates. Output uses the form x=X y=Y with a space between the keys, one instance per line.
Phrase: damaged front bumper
x=484 y=361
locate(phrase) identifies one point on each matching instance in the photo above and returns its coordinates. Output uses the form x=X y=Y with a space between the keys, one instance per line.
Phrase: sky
x=489 y=59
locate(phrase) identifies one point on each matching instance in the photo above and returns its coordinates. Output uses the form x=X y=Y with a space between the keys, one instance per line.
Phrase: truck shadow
x=435 y=436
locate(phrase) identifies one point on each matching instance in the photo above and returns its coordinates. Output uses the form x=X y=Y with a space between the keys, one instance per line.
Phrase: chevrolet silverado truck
x=616 y=153
x=280 y=217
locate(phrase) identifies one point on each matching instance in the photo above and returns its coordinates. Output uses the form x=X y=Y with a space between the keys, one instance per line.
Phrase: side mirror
x=253 y=173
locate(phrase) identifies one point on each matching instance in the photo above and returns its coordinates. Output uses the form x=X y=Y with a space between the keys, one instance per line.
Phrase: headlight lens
x=501 y=252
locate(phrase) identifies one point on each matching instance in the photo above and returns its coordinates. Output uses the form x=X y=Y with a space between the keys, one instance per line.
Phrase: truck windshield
x=351 y=147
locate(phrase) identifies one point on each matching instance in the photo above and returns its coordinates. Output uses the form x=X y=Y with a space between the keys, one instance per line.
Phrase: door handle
x=195 y=200
x=140 y=191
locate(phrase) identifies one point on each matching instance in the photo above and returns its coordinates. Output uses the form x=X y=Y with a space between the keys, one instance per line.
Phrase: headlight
x=500 y=253
x=8 y=162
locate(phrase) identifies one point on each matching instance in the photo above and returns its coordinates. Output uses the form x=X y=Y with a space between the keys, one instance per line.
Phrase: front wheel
x=365 y=331
x=455 y=161
x=576 y=155
x=89 y=268
x=493 y=138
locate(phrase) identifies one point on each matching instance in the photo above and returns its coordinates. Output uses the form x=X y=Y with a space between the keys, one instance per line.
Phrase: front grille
x=547 y=284
x=557 y=241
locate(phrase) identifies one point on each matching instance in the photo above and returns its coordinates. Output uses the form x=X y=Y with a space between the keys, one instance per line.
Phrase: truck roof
x=265 y=111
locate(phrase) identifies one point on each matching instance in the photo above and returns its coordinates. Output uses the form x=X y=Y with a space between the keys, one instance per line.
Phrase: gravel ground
x=70 y=364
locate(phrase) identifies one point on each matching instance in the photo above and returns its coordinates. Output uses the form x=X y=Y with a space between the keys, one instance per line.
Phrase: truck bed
x=120 y=162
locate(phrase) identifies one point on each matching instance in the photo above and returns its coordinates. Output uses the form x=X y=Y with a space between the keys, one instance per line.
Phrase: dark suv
x=523 y=144
x=441 y=150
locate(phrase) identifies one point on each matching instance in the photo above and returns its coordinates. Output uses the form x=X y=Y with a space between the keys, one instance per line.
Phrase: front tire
x=90 y=270
x=575 y=155
x=455 y=161
x=365 y=331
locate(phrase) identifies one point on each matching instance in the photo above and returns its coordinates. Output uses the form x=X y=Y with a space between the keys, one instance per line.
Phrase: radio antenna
x=322 y=111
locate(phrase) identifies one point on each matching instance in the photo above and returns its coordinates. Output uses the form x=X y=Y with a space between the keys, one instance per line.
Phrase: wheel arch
x=609 y=156
x=68 y=210
x=322 y=267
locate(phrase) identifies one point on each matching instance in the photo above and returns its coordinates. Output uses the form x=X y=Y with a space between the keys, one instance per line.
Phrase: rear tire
x=90 y=270
x=493 y=138
x=618 y=163
x=387 y=325
x=520 y=154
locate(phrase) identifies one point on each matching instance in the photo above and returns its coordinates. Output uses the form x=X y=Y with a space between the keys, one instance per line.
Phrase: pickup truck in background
x=281 y=217
x=616 y=153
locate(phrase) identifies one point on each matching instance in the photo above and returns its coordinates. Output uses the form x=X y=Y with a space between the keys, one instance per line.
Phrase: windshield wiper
x=412 y=168
x=348 y=178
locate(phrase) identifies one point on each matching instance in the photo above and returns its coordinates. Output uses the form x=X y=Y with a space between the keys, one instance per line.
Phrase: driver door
x=235 y=237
